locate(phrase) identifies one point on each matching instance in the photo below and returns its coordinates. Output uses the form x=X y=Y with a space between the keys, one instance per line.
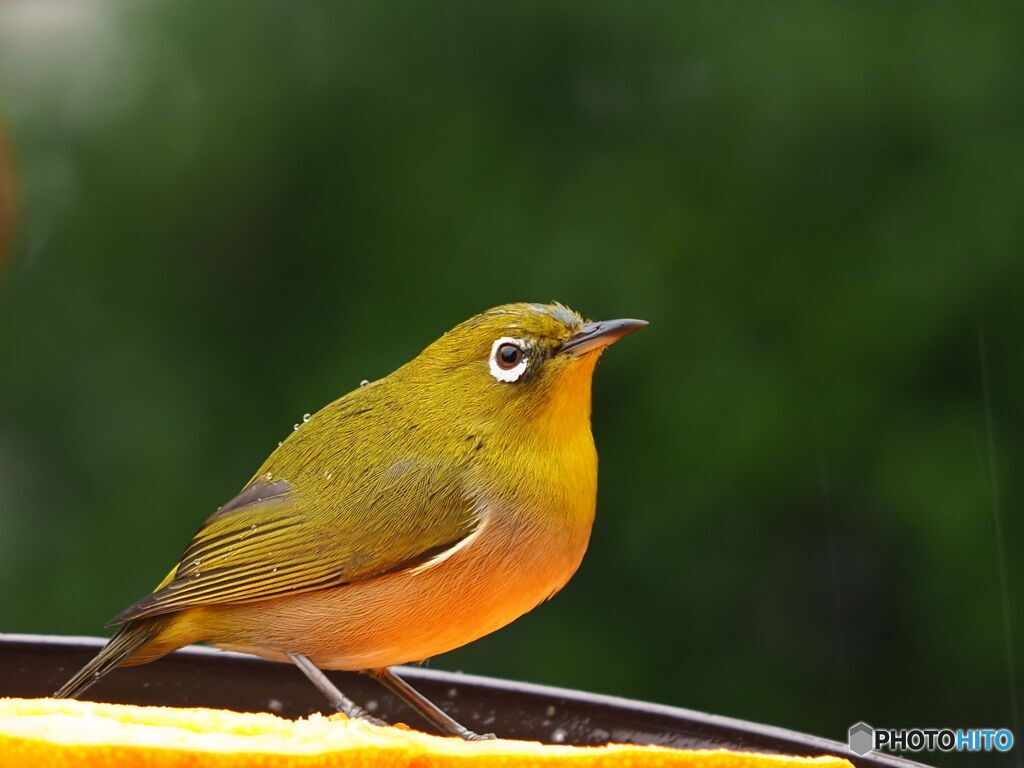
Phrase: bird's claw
x=469 y=735
x=364 y=715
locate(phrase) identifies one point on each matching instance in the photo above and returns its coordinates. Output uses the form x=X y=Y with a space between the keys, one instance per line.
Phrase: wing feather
x=273 y=540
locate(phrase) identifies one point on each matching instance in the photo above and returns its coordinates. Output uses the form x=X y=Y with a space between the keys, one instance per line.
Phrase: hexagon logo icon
x=861 y=738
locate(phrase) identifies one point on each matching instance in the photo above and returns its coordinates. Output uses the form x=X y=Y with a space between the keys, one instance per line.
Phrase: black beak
x=599 y=335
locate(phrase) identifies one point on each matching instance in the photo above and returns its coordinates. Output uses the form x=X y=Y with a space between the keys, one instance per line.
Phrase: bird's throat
x=566 y=412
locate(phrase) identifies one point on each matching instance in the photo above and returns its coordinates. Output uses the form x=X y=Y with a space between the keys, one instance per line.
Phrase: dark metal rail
x=35 y=665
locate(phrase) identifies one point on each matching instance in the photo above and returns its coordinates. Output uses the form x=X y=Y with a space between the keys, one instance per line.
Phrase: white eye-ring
x=508 y=359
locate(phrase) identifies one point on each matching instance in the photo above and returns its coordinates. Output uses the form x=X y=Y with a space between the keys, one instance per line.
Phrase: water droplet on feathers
x=305 y=417
x=364 y=382
x=275 y=705
x=371 y=705
x=559 y=735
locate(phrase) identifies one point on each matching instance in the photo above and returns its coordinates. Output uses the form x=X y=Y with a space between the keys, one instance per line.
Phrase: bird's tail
x=126 y=641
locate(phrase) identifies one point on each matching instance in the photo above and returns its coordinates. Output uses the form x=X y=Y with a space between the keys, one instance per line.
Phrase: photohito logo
x=862 y=738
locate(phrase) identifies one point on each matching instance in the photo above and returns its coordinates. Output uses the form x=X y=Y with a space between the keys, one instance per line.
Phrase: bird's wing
x=273 y=540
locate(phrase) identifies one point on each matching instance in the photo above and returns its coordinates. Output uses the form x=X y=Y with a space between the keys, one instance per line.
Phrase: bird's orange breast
x=510 y=564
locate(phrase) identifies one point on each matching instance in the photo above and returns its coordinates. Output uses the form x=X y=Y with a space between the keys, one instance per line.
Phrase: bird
x=413 y=515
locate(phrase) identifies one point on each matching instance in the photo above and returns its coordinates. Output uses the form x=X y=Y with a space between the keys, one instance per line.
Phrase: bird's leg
x=338 y=700
x=424 y=706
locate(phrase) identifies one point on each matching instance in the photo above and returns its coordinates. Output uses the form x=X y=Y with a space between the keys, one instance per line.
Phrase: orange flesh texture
x=48 y=733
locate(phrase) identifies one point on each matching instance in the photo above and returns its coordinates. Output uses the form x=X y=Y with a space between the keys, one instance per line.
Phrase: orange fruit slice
x=49 y=733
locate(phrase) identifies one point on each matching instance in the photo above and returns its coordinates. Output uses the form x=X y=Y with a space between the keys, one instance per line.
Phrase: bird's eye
x=509 y=359
x=509 y=356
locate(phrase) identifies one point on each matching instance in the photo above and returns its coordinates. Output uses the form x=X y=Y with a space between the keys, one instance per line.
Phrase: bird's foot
x=469 y=735
x=362 y=714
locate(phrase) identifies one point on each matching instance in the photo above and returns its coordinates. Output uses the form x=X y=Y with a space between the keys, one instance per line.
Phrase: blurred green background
x=231 y=213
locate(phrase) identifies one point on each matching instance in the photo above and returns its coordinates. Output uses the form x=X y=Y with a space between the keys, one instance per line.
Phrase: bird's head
x=530 y=358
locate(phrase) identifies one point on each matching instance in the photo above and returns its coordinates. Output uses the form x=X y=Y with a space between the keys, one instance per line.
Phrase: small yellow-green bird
x=412 y=516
